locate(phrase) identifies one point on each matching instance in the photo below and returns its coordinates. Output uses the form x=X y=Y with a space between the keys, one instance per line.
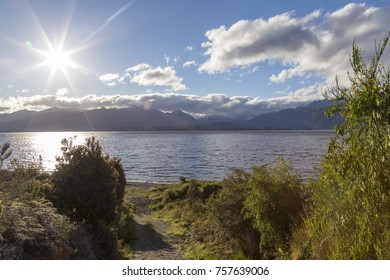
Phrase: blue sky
x=232 y=58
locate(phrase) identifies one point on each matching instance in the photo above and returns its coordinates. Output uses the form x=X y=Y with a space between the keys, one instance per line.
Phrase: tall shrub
x=275 y=204
x=351 y=199
x=227 y=212
x=260 y=209
x=89 y=185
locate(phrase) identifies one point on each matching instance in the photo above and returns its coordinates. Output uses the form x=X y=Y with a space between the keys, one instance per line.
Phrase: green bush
x=275 y=204
x=226 y=209
x=193 y=190
x=89 y=185
x=30 y=227
x=176 y=192
x=126 y=225
x=259 y=210
x=350 y=215
x=33 y=230
x=208 y=189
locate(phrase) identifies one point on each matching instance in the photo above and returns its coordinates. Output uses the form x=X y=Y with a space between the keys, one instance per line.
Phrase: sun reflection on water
x=48 y=146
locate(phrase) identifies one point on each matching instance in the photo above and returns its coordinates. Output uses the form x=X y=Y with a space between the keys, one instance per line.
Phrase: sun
x=57 y=58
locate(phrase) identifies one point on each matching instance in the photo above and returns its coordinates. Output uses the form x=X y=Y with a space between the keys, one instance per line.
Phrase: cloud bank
x=215 y=104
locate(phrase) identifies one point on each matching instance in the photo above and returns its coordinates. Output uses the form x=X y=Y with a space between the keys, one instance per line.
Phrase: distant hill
x=138 y=118
x=311 y=116
x=134 y=118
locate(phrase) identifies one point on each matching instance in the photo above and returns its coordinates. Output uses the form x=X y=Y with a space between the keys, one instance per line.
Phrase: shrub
x=127 y=225
x=259 y=210
x=351 y=200
x=195 y=191
x=227 y=211
x=89 y=185
x=176 y=192
x=33 y=230
x=275 y=203
x=208 y=189
x=30 y=227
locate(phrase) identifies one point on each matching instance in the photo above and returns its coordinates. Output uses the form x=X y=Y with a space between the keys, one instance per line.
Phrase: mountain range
x=137 y=118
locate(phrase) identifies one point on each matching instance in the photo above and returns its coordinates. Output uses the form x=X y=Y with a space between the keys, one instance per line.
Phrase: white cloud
x=24 y=90
x=159 y=77
x=190 y=63
x=255 y=69
x=286 y=74
x=144 y=74
x=169 y=59
x=250 y=41
x=62 y=92
x=317 y=43
x=284 y=91
x=109 y=79
x=138 y=67
x=189 y=49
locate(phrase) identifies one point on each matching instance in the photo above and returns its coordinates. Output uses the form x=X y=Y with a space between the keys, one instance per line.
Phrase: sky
x=232 y=58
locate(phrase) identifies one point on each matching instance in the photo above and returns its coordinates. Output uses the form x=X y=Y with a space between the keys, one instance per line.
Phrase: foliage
x=350 y=216
x=126 y=229
x=227 y=211
x=258 y=210
x=33 y=230
x=192 y=190
x=89 y=185
x=274 y=203
x=30 y=227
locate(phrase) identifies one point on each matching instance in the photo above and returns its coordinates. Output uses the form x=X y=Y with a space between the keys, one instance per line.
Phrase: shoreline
x=146 y=184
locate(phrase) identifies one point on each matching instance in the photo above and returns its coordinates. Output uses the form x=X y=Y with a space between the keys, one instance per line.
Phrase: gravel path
x=152 y=241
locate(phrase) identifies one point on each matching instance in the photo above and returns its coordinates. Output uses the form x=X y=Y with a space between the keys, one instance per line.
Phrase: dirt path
x=152 y=241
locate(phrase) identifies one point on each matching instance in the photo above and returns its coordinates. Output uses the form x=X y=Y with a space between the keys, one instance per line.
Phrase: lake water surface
x=165 y=156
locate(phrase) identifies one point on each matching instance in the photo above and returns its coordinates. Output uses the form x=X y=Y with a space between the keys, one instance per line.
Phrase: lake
x=165 y=156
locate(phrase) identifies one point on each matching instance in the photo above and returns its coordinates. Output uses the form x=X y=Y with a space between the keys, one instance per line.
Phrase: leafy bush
x=89 y=185
x=33 y=230
x=192 y=190
x=260 y=209
x=126 y=225
x=208 y=189
x=275 y=204
x=227 y=212
x=30 y=227
x=350 y=216
x=176 y=192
